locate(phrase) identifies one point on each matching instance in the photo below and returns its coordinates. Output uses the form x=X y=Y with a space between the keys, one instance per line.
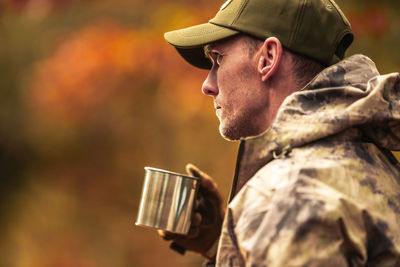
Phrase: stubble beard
x=235 y=129
x=250 y=122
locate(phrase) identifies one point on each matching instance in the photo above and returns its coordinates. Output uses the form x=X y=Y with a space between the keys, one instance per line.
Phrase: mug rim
x=147 y=168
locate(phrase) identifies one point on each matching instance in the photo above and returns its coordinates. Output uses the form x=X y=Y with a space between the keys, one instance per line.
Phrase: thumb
x=194 y=171
x=206 y=182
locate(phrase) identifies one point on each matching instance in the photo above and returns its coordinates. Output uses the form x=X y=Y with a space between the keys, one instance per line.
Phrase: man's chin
x=239 y=131
x=229 y=134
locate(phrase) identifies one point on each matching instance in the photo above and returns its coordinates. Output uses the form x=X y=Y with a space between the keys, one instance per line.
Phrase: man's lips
x=217 y=110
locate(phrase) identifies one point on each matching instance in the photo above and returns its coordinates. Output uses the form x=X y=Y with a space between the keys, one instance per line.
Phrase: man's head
x=248 y=81
x=257 y=51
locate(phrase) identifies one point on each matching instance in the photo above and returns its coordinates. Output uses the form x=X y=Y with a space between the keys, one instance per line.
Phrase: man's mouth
x=218 y=110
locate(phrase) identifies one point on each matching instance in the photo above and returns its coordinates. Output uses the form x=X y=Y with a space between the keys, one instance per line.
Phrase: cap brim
x=190 y=41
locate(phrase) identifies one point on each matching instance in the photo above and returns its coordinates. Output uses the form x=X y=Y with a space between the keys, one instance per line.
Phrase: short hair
x=304 y=68
x=253 y=44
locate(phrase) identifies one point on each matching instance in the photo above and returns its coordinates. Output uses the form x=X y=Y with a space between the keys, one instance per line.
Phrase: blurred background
x=90 y=93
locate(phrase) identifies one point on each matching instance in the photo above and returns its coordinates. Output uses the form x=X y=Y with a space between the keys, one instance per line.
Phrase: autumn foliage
x=91 y=93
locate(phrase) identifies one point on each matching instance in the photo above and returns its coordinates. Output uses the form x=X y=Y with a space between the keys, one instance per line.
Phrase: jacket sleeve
x=302 y=224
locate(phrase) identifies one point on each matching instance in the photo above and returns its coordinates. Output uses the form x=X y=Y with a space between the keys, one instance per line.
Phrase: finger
x=207 y=185
x=178 y=248
x=193 y=170
x=166 y=235
x=206 y=182
x=210 y=190
x=193 y=232
x=196 y=219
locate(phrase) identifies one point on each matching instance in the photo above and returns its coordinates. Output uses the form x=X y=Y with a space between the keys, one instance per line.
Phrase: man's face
x=240 y=97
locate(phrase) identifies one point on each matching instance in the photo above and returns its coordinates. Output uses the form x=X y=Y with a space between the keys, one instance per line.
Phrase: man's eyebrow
x=207 y=51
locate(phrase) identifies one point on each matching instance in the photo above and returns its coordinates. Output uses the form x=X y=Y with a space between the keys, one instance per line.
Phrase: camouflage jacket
x=323 y=188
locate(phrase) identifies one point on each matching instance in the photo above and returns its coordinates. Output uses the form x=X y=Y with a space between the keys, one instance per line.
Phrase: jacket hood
x=345 y=96
x=348 y=94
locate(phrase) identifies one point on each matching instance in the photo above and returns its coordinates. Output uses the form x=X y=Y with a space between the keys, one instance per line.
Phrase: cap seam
x=218 y=24
x=230 y=27
x=196 y=35
x=243 y=5
x=244 y=31
x=339 y=11
x=298 y=21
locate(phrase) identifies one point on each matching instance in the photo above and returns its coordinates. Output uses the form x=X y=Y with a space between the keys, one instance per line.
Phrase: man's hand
x=206 y=219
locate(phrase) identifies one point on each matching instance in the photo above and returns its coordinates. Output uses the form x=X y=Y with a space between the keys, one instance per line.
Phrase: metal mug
x=167 y=200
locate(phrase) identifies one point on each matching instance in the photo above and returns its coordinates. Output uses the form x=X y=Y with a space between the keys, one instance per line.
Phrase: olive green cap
x=314 y=28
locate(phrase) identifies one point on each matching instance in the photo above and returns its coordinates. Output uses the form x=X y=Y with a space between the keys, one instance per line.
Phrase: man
x=315 y=182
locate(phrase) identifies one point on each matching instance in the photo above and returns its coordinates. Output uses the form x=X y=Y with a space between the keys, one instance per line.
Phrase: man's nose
x=210 y=86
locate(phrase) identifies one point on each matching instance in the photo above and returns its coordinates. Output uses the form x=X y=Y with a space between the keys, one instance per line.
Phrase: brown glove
x=206 y=219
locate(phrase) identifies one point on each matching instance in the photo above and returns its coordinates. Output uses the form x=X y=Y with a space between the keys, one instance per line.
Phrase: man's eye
x=219 y=59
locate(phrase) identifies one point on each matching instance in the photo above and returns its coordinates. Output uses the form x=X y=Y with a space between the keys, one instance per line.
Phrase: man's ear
x=270 y=57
